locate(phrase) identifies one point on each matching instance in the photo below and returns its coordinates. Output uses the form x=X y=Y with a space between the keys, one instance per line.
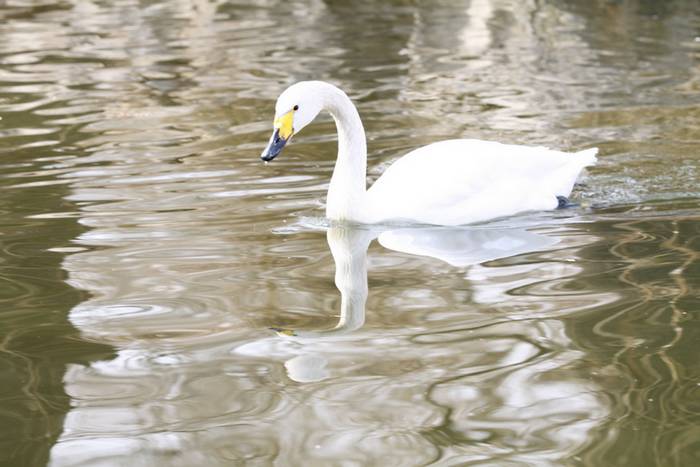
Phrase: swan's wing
x=461 y=181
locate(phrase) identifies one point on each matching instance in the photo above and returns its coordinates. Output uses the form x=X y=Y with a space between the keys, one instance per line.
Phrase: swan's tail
x=566 y=176
x=587 y=157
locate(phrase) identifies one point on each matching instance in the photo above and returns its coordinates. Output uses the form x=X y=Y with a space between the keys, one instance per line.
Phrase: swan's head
x=296 y=107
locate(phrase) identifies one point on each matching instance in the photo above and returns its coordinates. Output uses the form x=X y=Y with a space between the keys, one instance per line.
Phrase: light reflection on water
x=470 y=371
x=146 y=253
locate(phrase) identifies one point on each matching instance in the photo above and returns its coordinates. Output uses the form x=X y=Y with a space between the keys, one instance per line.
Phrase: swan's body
x=446 y=183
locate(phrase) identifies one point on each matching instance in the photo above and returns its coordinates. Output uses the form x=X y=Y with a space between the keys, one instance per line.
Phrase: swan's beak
x=282 y=134
x=274 y=147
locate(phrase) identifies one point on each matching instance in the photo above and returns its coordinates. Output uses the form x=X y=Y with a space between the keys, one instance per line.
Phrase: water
x=146 y=252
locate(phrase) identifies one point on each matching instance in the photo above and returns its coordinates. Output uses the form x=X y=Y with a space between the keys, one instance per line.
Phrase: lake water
x=147 y=256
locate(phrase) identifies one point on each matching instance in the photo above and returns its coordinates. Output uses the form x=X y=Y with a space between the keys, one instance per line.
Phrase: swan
x=451 y=182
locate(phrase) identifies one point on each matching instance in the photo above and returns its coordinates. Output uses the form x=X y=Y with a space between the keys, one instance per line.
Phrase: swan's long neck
x=346 y=193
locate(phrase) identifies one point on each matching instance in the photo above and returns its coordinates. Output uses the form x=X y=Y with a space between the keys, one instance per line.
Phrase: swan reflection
x=459 y=247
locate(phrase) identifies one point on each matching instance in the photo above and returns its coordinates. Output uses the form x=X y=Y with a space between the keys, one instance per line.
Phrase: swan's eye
x=296 y=107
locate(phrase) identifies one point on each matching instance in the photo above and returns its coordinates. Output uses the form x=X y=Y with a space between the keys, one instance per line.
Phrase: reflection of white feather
x=456 y=246
x=465 y=247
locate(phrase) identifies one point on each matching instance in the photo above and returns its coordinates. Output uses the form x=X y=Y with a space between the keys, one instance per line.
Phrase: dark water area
x=146 y=253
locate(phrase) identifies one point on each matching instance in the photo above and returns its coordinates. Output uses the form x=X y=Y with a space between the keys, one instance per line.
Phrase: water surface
x=146 y=254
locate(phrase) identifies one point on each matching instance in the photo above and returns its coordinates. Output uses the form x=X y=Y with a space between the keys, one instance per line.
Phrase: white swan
x=451 y=182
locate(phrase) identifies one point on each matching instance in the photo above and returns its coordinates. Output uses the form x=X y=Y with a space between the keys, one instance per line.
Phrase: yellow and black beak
x=282 y=134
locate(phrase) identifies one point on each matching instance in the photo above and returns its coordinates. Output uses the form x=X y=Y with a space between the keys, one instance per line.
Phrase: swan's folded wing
x=462 y=181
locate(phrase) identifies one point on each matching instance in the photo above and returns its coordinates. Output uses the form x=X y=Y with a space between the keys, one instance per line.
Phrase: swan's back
x=462 y=181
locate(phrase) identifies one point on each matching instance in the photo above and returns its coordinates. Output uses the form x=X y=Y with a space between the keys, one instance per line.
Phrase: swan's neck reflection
x=349 y=249
x=348 y=246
